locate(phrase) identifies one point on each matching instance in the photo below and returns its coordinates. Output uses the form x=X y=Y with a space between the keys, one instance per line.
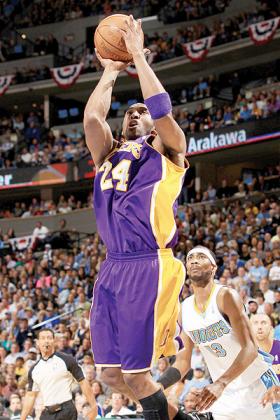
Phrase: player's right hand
x=272 y=395
x=208 y=395
x=113 y=65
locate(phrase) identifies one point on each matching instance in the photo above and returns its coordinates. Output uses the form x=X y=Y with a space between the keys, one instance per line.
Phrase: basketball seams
x=108 y=42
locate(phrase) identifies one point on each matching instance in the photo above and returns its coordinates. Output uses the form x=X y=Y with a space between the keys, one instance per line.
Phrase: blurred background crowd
x=41 y=281
x=49 y=261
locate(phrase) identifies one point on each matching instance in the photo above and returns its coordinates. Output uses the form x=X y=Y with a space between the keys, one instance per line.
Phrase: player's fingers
x=131 y=21
x=147 y=51
x=203 y=398
x=139 y=24
x=122 y=32
x=205 y=403
x=209 y=403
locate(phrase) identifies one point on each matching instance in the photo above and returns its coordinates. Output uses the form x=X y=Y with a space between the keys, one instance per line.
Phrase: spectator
x=39 y=235
x=274 y=272
x=257 y=271
x=118 y=406
x=253 y=307
x=198 y=381
x=15 y=353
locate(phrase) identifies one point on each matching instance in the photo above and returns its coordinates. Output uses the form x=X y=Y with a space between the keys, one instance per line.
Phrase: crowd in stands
x=46 y=11
x=261 y=180
x=259 y=106
x=163 y=46
x=15 y=47
x=36 y=286
x=25 y=142
x=37 y=207
x=179 y=11
x=9 y=9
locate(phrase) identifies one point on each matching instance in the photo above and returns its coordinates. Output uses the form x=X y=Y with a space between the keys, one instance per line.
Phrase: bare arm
x=170 y=134
x=28 y=404
x=99 y=137
x=182 y=364
x=88 y=393
x=231 y=305
x=183 y=358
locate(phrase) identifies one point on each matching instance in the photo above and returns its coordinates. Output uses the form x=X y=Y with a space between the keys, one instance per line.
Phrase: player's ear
x=214 y=270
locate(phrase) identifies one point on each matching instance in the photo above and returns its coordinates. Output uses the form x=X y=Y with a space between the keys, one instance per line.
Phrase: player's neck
x=265 y=345
x=202 y=295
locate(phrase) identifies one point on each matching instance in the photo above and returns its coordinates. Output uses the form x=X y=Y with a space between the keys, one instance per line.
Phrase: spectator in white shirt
x=15 y=353
x=39 y=235
x=264 y=287
x=118 y=407
x=274 y=272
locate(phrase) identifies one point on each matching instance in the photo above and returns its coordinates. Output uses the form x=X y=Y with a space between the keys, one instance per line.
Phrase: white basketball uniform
x=211 y=331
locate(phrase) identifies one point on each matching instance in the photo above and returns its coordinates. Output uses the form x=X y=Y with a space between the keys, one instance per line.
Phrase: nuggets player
x=136 y=296
x=214 y=318
x=263 y=332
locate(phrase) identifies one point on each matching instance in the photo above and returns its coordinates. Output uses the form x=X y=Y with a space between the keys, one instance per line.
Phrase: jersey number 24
x=119 y=173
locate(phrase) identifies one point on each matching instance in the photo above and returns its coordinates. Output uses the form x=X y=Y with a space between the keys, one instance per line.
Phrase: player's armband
x=159 y=105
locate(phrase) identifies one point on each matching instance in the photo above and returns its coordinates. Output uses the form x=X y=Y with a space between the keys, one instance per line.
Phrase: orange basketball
x=109 y=42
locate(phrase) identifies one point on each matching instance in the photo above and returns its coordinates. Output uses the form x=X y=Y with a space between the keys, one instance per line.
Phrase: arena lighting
x=23 y=36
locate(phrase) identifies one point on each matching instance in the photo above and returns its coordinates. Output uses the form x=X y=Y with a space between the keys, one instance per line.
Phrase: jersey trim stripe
x=207 y=302
x=167 y=307
x=165 y=193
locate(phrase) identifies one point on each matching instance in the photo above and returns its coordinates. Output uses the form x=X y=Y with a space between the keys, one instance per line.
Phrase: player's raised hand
x=271 y=396
x=209 y=395
x=133 y=36
x=113 y=65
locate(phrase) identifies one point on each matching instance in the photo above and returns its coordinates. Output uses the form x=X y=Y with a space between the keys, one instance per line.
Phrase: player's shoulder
x=227 y=292
x=228 y=297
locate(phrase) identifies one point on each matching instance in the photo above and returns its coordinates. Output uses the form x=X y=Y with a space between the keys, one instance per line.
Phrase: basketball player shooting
x=136 y=296
x=214 y=318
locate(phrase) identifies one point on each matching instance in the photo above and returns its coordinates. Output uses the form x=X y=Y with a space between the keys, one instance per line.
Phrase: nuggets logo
x=210 y=333
x=131 y=147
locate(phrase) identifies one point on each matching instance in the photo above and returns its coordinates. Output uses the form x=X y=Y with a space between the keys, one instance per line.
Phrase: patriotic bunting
x=264 y=31
x=197 y=50
x=5 y=82
x=66 y=76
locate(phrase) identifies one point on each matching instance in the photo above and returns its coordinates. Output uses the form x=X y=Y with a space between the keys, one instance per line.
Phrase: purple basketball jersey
x=275 y=352
x=135 y=194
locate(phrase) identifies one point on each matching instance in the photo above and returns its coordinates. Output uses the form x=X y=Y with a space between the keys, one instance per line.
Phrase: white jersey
x=217 y=341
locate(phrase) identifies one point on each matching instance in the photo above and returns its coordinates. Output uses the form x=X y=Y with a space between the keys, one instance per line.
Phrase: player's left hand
x=209 y=395
x=133 y=37
x=272 y=395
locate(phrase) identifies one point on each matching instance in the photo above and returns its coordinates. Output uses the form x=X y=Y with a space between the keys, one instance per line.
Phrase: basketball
x=109 y=42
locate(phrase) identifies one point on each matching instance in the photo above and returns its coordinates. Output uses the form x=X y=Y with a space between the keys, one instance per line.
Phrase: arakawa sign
x=212 y=141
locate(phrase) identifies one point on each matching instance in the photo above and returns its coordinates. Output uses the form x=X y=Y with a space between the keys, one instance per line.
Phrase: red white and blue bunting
x=5 y=82
x=66 y=76
x=198 y=50
x=264 y=31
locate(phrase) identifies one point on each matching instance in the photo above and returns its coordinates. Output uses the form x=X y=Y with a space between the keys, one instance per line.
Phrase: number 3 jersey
x=217 y=341
x=135 y=195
